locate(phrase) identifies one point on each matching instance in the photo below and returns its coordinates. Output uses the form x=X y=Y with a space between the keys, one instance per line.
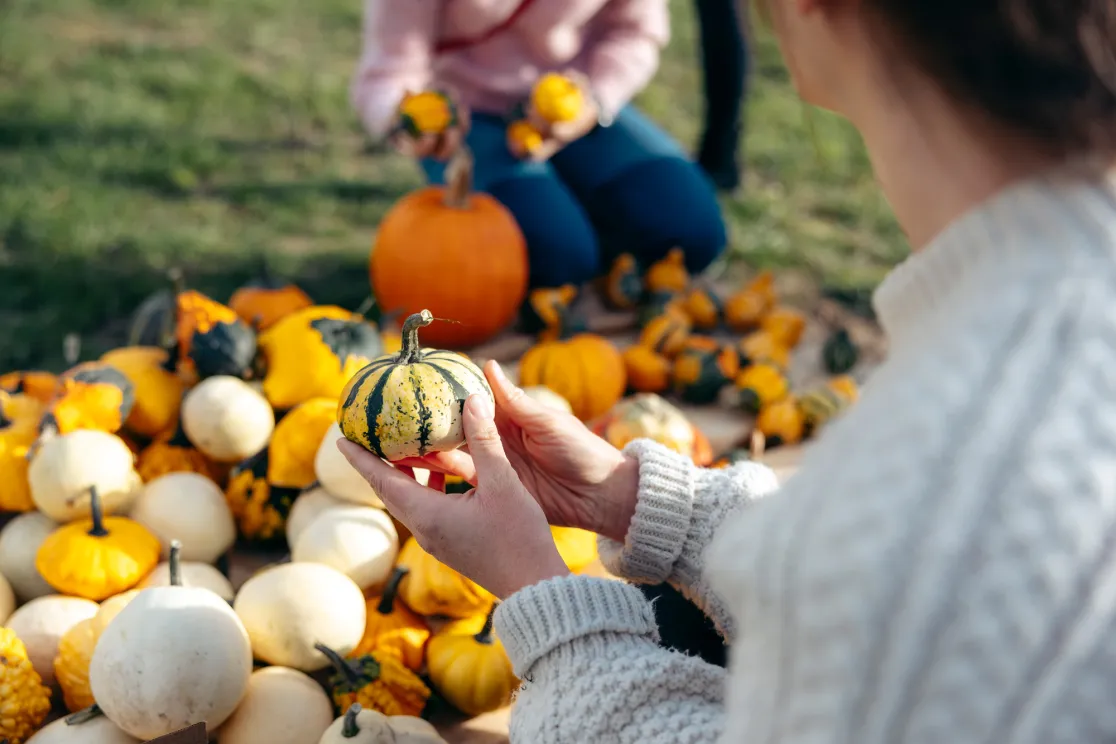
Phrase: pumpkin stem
x=343 y=667
x=174 y=563
x=459 y=179
x=411 y=351
x=83 y=715
x=177 y=280
x=97 y=511
x=71 y=348
x=349 y=728
x=387 y=599
x=364 y=307
x=485 y=634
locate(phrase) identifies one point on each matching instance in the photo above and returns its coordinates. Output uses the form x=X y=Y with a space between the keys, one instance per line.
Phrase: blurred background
x=137 y=136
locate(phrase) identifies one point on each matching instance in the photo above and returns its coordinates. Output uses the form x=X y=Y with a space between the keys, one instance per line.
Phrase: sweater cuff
x=534 y=621
x=664 y=509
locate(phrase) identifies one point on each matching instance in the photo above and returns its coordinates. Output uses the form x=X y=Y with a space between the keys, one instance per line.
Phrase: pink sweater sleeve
x=624 y=53
x=396 y=49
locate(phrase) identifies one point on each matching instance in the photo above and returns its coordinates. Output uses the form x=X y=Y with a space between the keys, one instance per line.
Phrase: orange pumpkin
x=745 y=309
x=459 y=254
x=266 y=299
x=34 y=384
x=210 y=339
x=586 y=370
x=393 y=629
x=648 y=371
x=762 y=347
x=703 y=306
x=781 y=422
x=784 y=325
x=668 y=274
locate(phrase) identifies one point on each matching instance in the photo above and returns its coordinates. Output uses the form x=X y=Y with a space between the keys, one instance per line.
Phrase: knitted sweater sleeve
x=585 y=649
x=678 y=509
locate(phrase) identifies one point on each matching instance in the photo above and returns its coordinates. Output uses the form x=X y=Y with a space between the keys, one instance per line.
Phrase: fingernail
x=482 y=406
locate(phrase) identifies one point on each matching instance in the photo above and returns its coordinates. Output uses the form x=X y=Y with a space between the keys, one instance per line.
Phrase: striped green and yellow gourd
x=409 y=404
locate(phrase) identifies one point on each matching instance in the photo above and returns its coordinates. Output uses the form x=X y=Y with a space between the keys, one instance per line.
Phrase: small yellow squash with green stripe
x=409 y=404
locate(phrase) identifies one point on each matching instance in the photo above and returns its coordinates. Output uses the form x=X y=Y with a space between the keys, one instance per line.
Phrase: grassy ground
x=137 y=135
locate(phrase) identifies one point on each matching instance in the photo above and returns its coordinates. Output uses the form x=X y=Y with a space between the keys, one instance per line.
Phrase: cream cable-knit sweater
x=942 y=567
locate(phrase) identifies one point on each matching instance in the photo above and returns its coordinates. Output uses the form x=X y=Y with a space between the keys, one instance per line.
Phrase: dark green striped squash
x=409 y=404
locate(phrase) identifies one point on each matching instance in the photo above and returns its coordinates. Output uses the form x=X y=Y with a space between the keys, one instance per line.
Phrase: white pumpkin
x=359 y=541
x=42 y=622
x=192 y=574
x=190 y=508
x=64 y=468
x=7 y=599
x=19 y=544
x=292 y=606
x=360 y=726
x=175 y=655
x=338 y=477
x=306 y=507
x=96 y=730
x=548 y=398
x=283 y=706
x=226 y=419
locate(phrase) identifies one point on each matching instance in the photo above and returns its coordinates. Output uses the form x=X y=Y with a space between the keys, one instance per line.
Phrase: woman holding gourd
x=578 y=163
x=942 y=566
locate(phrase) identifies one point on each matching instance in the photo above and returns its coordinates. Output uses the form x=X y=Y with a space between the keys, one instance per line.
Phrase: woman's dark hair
x=1045 y=68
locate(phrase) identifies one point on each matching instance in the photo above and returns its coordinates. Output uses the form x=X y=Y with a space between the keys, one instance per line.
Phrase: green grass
x=137 y=135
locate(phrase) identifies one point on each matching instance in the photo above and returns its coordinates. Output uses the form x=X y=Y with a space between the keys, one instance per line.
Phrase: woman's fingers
x=485 y=446
x=455 y=462
x=403 y=496
x=519 y=407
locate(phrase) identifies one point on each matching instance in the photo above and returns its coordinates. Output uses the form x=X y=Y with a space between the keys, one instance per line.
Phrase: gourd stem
x=485 y=634
x=177 y=280
x=349 y=727
x=459 y=178
x=364 y=307
x=410 y=351
x=85 y=714
x=174 y=564
x=343 y=667
x=387 y=599
x=97 y=512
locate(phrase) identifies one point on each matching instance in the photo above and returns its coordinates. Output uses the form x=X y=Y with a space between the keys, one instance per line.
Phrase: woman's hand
x=495 y=534
x=563 y=133
x=578 y=478
x=440 y=146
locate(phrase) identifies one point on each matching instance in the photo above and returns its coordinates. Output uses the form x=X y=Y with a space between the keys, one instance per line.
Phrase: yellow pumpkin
x=313 y=352
x=391 y=629
x=19 y=428
x=761 y=347
x=647 y=370
x=781 y=422
x=71 y=666
x=784 y=325
x=523 y=138
x=26 y=700
x=578 y=548
x=623 y=285
x=410 y=404
x=432 y=588
x=34 y=384
x=295 y=441
x=557 y=98
x=668 y=274
x=259 y=506
x=175 y=454
x=702 y=368
x=666 y=334
x=99 y=557
x=760 y=385
x=469 y=666
x=376 y=682
x=587 y=370
x=745 y=308
x=426 y=112
x=158 y=389
x=91 y=395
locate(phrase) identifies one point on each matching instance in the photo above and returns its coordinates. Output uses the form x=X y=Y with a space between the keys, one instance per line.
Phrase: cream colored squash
x=292 y=606
x=283 y=706
x=227 y=419
x=42 y=622
x=548 y=398
x=338 y=477
x=190 y=508
x=97 y=730
x=307 y=506
x=175 y=655
x=19 y=544
x=193 y=573
x=7 y=599
x=64 y=468
x=360 y=726
x=359 y=541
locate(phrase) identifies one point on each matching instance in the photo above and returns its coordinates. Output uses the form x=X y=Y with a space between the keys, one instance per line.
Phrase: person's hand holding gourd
x=561 y=109
x=429 y=124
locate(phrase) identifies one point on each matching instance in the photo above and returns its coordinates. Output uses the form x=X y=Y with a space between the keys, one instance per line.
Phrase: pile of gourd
x=683 y=351
x=136 y=476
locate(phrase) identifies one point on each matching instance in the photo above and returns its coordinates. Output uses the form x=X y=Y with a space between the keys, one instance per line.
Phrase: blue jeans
x=626 y=188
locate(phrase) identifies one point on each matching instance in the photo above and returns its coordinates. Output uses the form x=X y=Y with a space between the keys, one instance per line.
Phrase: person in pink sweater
x=613 y=178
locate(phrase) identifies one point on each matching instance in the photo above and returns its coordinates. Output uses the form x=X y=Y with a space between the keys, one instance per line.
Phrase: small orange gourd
x=623 y=285
x=266 y=299
x=745 y=309
x=703 y=307
x=761 y=347
x=392 y=629
x=587 y=370
x=784 y=325
x=523 y=138
x=427 y=112
x=702 y=368
x=548 y=313
x=666 y=334
x=557 y=98
x=760 y=385
x=781 y=423
x=648 y=371
x=668 y=274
